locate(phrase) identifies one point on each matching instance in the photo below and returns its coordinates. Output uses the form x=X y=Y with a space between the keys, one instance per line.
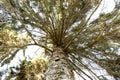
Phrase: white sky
x=106 y=6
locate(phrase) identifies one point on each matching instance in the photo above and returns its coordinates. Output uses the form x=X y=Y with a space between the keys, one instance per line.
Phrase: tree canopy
x=66 y=24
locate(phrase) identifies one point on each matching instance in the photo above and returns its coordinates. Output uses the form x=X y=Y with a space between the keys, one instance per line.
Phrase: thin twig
x=82 y=26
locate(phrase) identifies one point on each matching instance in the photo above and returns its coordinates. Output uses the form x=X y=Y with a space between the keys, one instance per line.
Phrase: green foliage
x=33 y=69
x=11 y=41
x=27 y=70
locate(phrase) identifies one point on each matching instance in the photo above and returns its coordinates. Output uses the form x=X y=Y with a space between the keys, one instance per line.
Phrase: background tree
x=78 y=44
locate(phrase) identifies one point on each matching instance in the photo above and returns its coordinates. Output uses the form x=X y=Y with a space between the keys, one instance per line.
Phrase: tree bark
x=58 y=67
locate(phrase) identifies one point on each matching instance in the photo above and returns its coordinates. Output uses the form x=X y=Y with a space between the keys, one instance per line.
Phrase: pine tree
x=77 y=43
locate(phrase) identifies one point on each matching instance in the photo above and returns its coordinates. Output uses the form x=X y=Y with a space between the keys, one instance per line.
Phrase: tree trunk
x=58 y=67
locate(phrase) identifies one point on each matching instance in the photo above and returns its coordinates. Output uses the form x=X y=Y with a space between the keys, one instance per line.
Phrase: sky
x=106 y=6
